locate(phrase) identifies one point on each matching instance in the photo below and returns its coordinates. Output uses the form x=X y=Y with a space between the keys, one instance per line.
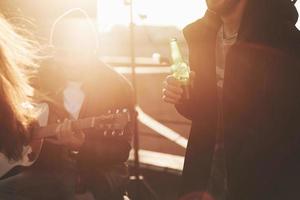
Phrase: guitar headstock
x=113 y=123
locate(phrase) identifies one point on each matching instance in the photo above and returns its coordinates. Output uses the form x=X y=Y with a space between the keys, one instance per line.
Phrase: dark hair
x=288 y=10
x=279 y=10
x=263 y=18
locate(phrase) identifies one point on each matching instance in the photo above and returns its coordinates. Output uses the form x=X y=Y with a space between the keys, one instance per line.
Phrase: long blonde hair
x=17 y=56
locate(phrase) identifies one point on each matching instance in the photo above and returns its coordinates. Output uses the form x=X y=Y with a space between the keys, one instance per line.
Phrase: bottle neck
x=175 y=53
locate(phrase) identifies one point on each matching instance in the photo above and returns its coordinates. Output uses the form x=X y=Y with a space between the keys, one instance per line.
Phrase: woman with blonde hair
x=17 y=56
x=17 y=118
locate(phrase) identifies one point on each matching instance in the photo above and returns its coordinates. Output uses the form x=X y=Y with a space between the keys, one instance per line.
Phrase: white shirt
x=73 y=98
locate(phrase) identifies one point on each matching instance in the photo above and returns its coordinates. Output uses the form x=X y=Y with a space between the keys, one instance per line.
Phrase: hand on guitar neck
x=66 y=136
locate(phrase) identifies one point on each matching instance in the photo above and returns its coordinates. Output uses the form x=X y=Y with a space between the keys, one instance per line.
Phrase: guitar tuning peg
x=117 y=111
x=113 y=133
x=109 y=112
x=105 y=133
x=121 y=133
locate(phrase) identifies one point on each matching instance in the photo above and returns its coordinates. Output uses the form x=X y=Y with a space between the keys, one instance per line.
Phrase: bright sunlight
x=153 y=12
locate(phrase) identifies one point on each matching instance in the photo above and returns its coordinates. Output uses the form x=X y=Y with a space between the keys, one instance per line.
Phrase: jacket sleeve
x=112 y=151
x=184 y=108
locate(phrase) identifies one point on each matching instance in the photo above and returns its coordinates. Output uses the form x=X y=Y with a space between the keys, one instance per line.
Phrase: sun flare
x=153 y=12
x=150 y=12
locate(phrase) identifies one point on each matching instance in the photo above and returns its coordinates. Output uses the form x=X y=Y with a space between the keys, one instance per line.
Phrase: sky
x=159 y=12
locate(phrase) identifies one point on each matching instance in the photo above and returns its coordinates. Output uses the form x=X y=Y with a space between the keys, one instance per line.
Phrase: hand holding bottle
x=177 y=86
x=173 y=91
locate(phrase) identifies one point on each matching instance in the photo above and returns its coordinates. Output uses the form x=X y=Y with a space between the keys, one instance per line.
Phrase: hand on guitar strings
x=67 y=137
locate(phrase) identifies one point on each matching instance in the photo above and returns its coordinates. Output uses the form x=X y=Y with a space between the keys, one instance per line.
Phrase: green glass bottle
x=180 y=69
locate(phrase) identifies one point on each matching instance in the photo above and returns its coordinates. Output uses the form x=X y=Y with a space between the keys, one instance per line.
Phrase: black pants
x=107 y=184
x=49 y=185
x=38 y=185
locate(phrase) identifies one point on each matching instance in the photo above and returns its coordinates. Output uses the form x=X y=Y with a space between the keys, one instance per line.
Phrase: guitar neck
x=50 y=130
x=111 y=122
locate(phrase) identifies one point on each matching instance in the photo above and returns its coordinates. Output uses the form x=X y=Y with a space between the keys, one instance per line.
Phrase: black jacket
x=261 y=101
x=104 y=90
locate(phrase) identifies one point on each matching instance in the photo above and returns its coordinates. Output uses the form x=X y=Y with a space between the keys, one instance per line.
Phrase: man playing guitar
x=75 y=85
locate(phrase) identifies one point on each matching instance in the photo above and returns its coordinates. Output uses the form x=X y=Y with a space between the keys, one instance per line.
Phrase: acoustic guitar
x=109 y=125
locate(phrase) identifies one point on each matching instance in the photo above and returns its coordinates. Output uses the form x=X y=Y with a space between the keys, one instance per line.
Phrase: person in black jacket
x=82 y=86
x=244 y=142
x=73 y=84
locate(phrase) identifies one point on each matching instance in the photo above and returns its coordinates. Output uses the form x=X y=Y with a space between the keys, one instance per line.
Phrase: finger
x=58 y=131
x=65 y=125
x=64 y=131
x=169 y=100
x=171 y=80
x=174 y=89
x=171 y=95
x=69 y=126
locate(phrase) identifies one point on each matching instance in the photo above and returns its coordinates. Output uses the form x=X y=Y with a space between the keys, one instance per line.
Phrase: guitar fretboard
x=105 y=122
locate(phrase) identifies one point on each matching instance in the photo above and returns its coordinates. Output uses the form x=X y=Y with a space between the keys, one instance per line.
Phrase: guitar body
x=112 y=125
x=29 y=156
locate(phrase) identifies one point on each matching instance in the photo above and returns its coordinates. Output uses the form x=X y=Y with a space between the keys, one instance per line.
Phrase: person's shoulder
x=115 y=81
x=110 y=75
x=209 y=22
x=193 y=26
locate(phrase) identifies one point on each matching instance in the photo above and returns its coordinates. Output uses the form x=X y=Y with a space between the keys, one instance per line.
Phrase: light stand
x=138 y=179
x=136 y=144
